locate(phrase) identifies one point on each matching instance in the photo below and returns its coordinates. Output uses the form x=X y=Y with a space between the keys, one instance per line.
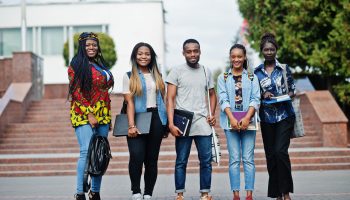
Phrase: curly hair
x=268 y=37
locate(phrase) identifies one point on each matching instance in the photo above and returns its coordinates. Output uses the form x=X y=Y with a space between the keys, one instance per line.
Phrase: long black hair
x=82 y=67
x=239 y=46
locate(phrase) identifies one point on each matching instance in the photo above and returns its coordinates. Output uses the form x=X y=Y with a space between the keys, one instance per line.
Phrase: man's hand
x=211 y=120
x=174 y=130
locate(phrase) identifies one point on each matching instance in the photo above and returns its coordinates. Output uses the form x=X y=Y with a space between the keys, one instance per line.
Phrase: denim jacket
x=226 y=91
x=140 y=102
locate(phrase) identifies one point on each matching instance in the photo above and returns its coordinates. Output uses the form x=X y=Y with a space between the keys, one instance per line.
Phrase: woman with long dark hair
x=239 y=92
x=277 y=119
x=144 y=91
x=89 y=82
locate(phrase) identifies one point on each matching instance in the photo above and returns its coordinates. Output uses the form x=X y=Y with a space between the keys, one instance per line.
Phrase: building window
x=80 y=29
x=52 y=40
x=10 y=40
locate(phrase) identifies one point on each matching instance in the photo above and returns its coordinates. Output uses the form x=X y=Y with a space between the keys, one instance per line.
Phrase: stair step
x=170 y=170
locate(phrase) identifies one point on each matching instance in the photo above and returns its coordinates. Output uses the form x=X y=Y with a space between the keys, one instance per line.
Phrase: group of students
x=186 y=88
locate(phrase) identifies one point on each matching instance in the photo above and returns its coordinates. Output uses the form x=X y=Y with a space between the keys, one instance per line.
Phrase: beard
x=191 y=64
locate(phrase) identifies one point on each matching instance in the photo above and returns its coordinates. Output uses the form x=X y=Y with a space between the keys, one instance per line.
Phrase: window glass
x=10 y=41
x=52 y=40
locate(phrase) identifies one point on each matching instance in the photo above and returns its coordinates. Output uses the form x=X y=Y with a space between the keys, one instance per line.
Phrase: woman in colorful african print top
x=89 y=82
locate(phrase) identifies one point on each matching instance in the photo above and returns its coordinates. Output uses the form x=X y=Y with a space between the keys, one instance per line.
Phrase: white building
x=49 y=25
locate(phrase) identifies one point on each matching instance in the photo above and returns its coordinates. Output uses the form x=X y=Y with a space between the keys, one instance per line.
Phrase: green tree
x=106 y=44
x=312 y=34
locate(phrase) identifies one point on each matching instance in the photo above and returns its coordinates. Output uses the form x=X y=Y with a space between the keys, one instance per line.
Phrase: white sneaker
x=137 y=196
x=147 y=197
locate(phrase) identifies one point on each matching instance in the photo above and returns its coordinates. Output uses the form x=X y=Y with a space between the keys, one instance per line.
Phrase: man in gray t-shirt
x=187 y=86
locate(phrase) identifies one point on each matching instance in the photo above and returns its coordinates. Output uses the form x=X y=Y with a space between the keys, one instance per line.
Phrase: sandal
x=179 y=197
x=206 y=197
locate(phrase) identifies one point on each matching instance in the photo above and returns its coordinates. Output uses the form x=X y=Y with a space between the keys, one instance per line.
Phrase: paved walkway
x=309 y=185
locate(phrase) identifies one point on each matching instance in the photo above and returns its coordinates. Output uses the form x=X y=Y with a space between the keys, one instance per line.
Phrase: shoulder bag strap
x=284 y=73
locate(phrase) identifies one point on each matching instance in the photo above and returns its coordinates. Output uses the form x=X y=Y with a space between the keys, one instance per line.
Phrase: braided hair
x=239 y=46
x=268 y=38
x=81 y=65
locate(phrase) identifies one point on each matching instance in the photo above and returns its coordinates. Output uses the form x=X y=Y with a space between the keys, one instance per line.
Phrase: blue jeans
x=241 y=145
x=183 y=148
x=84 y=134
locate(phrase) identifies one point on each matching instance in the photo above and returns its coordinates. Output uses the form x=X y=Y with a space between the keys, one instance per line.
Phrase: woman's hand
x=234 y=124
x=133 y=132
x=244 y=123
x=92 y=120
x=267 y=95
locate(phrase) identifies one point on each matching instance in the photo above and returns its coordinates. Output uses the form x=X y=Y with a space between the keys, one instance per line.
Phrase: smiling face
x=91 y=48
x=237 y=58
x=269 y=51
x=192 y=53
x=143 y=56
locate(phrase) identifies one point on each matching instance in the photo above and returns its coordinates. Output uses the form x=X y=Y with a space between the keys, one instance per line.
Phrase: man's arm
x=213 y=101
x=170 y=105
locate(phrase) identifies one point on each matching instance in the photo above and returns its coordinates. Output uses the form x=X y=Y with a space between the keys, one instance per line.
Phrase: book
x=253 y=124
x=277 y=99
x=181 y=122
x=188 y=115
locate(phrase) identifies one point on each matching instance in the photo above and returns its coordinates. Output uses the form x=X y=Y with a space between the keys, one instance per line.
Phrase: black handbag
x=97 y=161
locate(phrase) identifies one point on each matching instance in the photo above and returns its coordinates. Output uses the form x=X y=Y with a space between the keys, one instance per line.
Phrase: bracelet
x=133 y=126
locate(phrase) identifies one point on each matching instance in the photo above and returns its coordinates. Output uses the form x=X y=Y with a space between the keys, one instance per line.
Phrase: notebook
x=277 y=99
x=253 y=125
x=142 y=122
x=183 y=120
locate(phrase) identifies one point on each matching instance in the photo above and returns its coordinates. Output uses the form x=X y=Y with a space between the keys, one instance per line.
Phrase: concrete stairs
x=44 y=144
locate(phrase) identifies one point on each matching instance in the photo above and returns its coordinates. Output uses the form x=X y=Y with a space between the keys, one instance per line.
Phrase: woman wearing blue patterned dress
x=277 y=119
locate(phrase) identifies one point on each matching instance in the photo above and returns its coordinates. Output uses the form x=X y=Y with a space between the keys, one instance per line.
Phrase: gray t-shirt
x=192 y=95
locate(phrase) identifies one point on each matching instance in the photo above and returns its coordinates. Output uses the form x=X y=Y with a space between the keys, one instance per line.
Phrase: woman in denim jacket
x=239 y=90
x=144 y=92
x=277 y=120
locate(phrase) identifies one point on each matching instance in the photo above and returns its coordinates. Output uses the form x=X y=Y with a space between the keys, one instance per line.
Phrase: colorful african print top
x=98 y=104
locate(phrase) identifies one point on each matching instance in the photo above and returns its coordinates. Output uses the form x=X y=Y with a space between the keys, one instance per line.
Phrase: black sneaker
x=94 y=195
x=79 y=197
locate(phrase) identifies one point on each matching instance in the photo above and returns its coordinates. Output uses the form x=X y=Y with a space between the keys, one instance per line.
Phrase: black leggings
x=276 y=138
x=144 y=149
